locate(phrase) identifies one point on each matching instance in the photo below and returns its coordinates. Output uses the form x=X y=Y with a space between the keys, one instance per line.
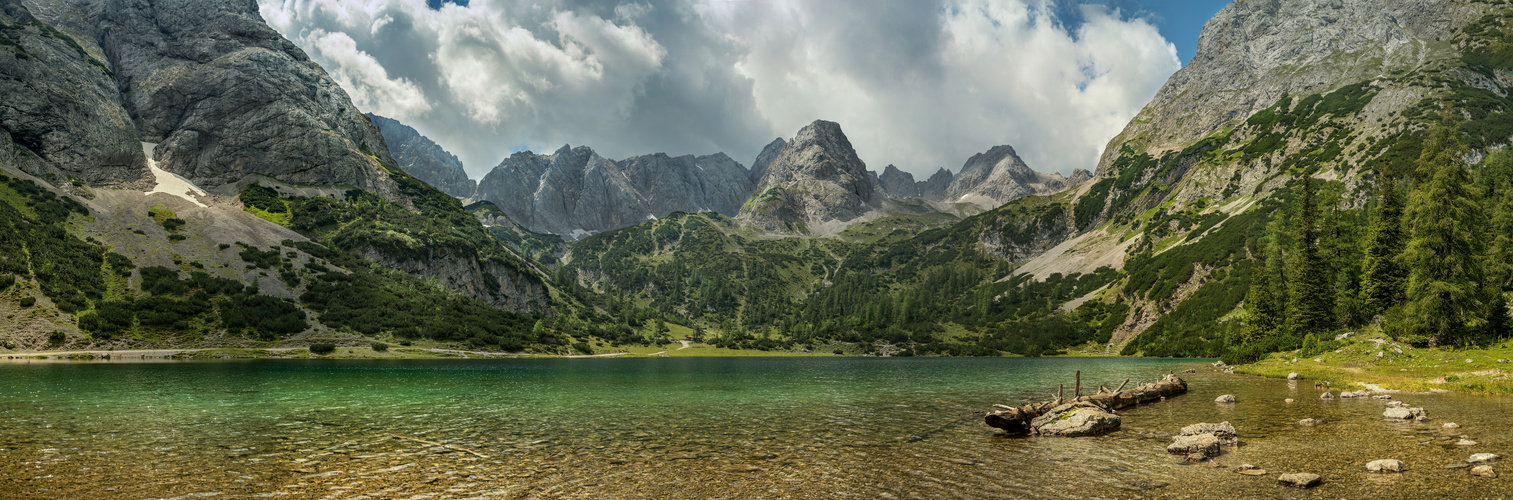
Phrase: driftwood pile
x=1019 y=420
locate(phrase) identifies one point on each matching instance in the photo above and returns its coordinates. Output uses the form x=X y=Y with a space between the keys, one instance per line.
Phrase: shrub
x=28 y=302
x=57 y=337
x=583 y=348
x=380 y=346
x=322 y=349
x=7 y=280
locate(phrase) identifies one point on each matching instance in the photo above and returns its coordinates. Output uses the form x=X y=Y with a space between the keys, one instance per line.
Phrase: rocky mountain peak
x=815 y=185
x=998 y=176
x=763 y=159
x=898 y=183
x=424 y=159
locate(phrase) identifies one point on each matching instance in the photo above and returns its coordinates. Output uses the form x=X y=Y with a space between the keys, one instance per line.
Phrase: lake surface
x=690 y=428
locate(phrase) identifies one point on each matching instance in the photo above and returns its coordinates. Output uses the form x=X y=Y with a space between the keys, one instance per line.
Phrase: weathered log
x=1017 y=420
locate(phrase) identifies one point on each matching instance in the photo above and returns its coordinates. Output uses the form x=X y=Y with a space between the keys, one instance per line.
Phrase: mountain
x=764 y=158
x=306 y=226
x=998 y=176
x=815 y=185
x=424 y=159
x=224 y=96
x=934 y=188
x=575 y=191
x=898 y=183
x=62 y=107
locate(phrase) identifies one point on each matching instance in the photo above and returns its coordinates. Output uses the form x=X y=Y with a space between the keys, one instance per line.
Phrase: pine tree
x=1500 y=254
x=1384 y=279
x=1447 y=229
x=1310 y=303
x=1263 y=316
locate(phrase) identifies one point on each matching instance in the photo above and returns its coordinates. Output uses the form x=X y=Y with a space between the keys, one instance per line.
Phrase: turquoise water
x=677 y=427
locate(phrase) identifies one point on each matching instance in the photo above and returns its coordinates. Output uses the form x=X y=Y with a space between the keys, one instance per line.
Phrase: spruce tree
x=1263 y=316
x=1447 y=229
x=1500 y=254
x=1384 y=279
x=1310 y=303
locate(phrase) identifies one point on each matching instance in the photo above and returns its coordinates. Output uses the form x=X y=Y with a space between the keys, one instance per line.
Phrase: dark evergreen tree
x=1384 y=278
x=1263 y=314
x=1447 y=229
x=1500 y=253
x=1310 y=300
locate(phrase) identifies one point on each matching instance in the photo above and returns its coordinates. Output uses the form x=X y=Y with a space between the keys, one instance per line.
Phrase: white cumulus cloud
x=922 y=85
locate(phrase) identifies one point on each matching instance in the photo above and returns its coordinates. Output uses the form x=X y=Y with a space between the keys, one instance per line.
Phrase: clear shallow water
x=688 y=428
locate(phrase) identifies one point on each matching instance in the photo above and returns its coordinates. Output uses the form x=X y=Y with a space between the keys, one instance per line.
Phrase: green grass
x=1415 y=369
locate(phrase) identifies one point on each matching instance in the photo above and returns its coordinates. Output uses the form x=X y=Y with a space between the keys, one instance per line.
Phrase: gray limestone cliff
x=815 y=185
x=898 y=183
x=225 y=96
x=1255 y=51
x=60 y=106
x=424 y=159
x=934 y=188
x=764 y=158
x=575 y=191
x=998 y=176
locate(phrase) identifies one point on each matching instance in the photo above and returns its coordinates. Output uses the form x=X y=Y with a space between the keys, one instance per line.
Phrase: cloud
x=917 y=84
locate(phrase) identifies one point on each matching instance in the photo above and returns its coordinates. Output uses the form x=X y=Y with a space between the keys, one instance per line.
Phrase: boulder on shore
x=1075 y=419
x=1385 y=465
x=1299 y=480
x=1292 y=376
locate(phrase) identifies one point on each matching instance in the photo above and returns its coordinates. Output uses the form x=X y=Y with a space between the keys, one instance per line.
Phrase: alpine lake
x=695 y=428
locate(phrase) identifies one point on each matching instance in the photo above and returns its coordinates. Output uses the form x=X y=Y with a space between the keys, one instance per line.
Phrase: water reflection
x=688 y=428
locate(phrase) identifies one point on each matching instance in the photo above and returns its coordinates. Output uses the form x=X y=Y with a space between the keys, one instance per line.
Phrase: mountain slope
x=424 y=159
x=998 y=176
x=224 y=96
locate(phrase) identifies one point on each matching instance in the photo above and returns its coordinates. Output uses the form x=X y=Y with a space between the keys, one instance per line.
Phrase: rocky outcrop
x=898 y=183
x=934 y=188
x=574 y=191
x=496 y=283
x=815 y=185
x=998 y=176
x=424 y=159
x=61 y=106
x=225 y=96
x=764 y=159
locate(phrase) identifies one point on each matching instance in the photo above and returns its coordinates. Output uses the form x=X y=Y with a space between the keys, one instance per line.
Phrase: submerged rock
x=1075 y=419
x=1227 y=398
x=1385 y=465
x=1481 y=458
x=1484 y=471
x=1451 y=425
x=1402 y=413
x=1308 y=422
x=1299 y=480
x=1465 y=442
x=1326 y=395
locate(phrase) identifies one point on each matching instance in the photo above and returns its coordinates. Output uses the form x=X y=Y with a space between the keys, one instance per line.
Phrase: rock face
x=934 y=188
x=61 y=104
x=424 y=159
x=1253 y=52
x=467 y=275
x=763 y=159
x=898 y=183
x=1075 y=419
x=998 y=176
x=225 y=96
x=574 y=191
x=815 y=185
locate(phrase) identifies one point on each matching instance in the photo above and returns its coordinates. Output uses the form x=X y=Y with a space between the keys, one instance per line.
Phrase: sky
x=918 y=84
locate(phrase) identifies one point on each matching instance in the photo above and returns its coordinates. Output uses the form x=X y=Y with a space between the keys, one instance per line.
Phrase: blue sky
x=1179 y=21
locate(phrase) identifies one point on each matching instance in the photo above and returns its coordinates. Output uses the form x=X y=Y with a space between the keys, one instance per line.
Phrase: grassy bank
x=1371 y=358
